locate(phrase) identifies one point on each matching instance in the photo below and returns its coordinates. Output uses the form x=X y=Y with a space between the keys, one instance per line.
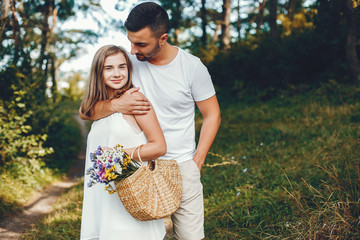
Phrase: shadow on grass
x=8 y=207
x=64 y=221
x=59 y=229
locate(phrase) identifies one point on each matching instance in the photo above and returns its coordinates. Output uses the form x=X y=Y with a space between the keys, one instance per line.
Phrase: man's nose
x=133 y=49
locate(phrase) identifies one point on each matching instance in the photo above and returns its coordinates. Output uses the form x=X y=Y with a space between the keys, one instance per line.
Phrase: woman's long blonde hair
x=96 y=90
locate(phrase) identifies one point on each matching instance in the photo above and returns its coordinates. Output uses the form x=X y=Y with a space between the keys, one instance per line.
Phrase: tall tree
x=351 y=55
x=4 y=16
x=225 y=28
x=260 y=17
x=204 y=23
x=272 y=18
x=30 y=46
x=291 y=9
x=238 y=21
x=176 y=8
x=43 y=61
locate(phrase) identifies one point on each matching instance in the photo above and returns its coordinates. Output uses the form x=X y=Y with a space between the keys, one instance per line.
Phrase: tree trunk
x=203 y=23
x=176 y=8
x=260 y=19
x=225 y=28
x=53 y=78
x=272 y=18
x=4 y=17
x=16 y=34
x=291 y=9
x=4 y=9
x=216 y=34
x=45 y=29
x=238 y=22
x=350 y=48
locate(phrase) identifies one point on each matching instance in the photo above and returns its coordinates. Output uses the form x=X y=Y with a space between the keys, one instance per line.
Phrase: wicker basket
x=153 y=191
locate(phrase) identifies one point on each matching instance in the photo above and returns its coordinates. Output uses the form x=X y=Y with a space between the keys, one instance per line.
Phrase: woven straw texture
x=153 y=191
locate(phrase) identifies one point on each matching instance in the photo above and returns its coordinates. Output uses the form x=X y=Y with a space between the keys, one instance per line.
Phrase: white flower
x=118 y=168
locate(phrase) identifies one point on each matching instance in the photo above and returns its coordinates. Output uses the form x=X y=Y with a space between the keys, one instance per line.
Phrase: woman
x=104 y=216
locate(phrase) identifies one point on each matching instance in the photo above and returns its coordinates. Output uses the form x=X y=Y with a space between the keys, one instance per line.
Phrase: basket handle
x=138 y=152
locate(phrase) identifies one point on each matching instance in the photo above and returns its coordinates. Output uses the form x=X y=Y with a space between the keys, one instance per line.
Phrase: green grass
x=20 y=180
x=19 y=185
x=64 y=221
x=283 y=169
x=294 y=171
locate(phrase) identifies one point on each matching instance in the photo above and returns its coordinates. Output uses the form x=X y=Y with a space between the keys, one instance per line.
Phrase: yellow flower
x=109 y=173
x=110 y=189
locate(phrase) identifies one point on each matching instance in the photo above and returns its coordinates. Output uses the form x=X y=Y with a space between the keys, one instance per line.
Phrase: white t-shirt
x=173 y=90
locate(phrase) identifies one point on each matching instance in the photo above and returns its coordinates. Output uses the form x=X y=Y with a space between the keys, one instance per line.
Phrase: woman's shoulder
x=109 y=117
x=137 y=93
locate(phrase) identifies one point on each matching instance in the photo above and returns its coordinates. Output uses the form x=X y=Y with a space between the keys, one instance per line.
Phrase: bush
x=33 y=142
x=18 y=145
x=22 y=155
x=64 y=135
x=264 y=67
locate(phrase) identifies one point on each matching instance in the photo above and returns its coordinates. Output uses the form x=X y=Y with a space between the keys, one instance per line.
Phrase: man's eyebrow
x=137 y=43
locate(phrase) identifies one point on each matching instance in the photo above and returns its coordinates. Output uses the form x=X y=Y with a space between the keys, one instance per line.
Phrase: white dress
x=103 y=216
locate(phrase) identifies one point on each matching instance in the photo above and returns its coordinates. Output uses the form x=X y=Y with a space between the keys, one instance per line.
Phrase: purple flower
x=90 y=183
x=99 y=165
x=89 y=171
x=98 y=151
x=117 y=160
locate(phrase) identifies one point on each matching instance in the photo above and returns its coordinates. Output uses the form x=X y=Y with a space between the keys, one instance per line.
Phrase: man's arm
x=128 y=103
x=210 y=111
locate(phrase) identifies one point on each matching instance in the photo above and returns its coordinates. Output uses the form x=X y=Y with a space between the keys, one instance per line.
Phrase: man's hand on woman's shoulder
x=131 y=102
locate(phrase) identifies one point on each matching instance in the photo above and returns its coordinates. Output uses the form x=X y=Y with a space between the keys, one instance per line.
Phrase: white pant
x=188 y=220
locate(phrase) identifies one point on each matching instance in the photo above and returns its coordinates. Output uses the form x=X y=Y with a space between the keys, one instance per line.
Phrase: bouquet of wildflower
x=110 y=165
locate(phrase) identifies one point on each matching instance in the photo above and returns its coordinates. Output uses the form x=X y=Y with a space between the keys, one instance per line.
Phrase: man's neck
x=165 y=56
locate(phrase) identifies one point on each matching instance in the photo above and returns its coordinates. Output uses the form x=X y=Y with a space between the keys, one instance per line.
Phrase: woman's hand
x=106 y=148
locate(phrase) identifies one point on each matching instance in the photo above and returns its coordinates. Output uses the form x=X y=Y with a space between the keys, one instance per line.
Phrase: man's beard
x=150 y=55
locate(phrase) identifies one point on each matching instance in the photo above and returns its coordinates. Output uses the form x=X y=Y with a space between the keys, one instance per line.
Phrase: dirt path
x=12 y=227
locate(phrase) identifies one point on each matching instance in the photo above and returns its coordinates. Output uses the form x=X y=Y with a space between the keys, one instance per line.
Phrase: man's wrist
x=111 y=106
x=115 y=105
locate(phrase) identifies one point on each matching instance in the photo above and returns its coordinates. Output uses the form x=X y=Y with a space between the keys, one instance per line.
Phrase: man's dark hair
x=148 y=14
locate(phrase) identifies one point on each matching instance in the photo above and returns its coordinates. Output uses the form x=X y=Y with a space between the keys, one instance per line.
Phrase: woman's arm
x=156 y=145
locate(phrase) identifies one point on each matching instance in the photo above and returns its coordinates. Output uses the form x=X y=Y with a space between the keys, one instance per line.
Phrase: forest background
x=285 y=163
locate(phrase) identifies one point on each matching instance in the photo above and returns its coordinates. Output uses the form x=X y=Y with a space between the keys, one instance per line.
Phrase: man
x=173 y=81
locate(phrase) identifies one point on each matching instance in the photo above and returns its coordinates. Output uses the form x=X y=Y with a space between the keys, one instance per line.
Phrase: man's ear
x=163 y=39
